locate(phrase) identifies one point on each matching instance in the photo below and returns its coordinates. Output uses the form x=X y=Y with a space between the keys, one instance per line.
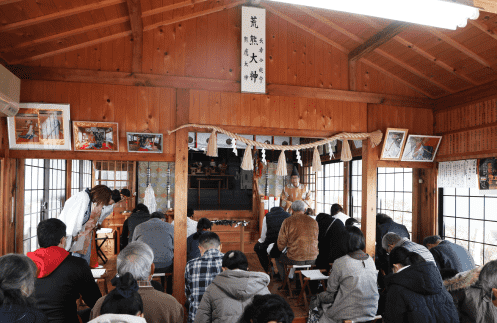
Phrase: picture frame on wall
x=95 y=136
x=139 y=142
x=420 y=148
x=393 y=144
x=40 y=126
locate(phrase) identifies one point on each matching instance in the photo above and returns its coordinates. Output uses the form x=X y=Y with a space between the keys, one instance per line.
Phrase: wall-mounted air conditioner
x=10 y=92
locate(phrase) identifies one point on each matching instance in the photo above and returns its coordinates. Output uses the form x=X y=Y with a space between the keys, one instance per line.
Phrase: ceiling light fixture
x=435 y=13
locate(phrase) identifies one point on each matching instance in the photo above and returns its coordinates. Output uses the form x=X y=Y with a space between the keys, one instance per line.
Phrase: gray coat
x=227 y=296
x=159 y=235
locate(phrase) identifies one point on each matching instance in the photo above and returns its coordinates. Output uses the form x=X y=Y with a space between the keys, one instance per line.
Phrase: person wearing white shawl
x=80 y=217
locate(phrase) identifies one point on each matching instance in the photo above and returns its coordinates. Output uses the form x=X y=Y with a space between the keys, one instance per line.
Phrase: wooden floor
x=254 y=265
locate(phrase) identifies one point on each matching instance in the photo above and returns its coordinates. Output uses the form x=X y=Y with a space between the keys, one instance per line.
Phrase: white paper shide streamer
x=233 y=145
x=299 y=160
x=264 y=156
x=149 y=199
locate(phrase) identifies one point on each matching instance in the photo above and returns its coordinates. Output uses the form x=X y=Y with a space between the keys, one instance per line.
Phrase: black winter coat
x=416 y=294
x=330 y=243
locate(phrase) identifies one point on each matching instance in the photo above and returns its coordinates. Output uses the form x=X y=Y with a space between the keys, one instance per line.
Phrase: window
x=310 y=181
x=44 y=195
x=469 y=220
x=114 y=174
x=329 y=187
x=394 y=196
x=81 y=175
x=355 y=202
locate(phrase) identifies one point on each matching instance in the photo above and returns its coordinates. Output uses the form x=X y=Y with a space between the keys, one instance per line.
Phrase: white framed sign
x=253 y=50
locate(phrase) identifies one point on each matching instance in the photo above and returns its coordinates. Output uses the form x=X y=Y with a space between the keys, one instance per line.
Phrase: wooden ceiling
x=434 y=62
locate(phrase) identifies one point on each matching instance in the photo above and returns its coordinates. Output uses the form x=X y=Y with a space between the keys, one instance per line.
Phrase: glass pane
x=462 y=206
x=450 y=227
x=476 y=208
x=449 y=205
x=476 y=231
x=462 y=226
x=490 y=208
x=490 y=253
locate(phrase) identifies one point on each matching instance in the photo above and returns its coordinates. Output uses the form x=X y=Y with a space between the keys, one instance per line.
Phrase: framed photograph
x=421 y=148
x=40 y=126
x=487 y=171
x=144 y=142
x=95 y=136
x=393 y=143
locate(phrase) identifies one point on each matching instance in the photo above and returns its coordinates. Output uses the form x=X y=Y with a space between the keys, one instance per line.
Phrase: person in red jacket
x=62 y=278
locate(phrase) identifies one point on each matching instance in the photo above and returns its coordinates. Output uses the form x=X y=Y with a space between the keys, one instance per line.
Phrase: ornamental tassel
x=316 y=161
x=375 y=138
x=212 y=145
x=281 y=170
x=346 y=153
x=247 y=159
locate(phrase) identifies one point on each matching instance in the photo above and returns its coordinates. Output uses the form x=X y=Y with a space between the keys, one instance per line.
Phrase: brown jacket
x=158 y=307
x=300 y=234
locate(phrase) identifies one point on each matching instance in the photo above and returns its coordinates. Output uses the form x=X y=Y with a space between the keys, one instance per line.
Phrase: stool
x=287 y=269
x=311 y=275
x=376 y=318
x=162 y=277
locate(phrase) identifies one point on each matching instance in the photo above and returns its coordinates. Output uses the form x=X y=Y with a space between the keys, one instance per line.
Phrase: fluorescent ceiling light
x=436 y=13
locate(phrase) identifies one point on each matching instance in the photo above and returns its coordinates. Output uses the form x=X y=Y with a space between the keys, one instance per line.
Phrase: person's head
x=137 y=259
x=335 y=209
x=157 y=215
x=141 y=208
x=124 y=299
x=298 y=206
x=101 y=195
x=125 y=193
x=115 y=197
x=390 y=240
x=51 y=232
x=309 y=211
x=204 y=224
x=321 y=216
x=401 y=257
x=209 y=240
x=488 y=277
x=431 y=241
x=382 y=218
x=235 y=259
x=354 y=239
x=268 y=308
x=189 y=212
x=17 y=279
x=352 y=221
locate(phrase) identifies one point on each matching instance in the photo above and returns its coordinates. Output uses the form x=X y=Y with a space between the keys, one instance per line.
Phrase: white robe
x=73 y=215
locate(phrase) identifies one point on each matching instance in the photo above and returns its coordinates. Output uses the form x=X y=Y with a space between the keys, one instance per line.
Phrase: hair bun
x=126 y=285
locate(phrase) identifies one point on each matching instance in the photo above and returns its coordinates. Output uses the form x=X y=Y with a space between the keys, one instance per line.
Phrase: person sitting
x=310 y=212
x=331 y=231
x=17 y=283
x=384 y=225
x=123 y=304
x=159 y=235
x=139 y=215
x=336 y=211
x=415 y=291
x=449 y=255
x=299 y=235
x=475 y=294
x=138 y=260
x=351 y=293
x=200 y=272
x=191 y=225
x=352 y=221
x=392 y=240
x=271 y=225
x=231 y=291
x=192 y=250
x=266 y=309
x=61 y=276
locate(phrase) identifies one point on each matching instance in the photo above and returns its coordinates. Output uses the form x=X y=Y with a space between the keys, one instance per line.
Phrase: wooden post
x=19 y=218
x=242 y=240
x=428 y=199
x=180 y=195
x=346 y=188
x=369 y=183
x=68 y=178
x=416 y=214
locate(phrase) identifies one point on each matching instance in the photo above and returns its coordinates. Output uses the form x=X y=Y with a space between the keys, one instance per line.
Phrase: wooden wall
x=209 y=47
x=469 y=131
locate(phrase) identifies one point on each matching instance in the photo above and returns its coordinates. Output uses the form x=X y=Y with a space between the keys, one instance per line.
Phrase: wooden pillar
x=416 y=214
x=369 y=186
x=8 y=206
x=180 y=195
x=346 y=188
x=69 y=178
x=19 y=217
x=428 y=200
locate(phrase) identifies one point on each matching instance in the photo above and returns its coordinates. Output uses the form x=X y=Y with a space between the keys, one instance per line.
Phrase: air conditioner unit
x=10 y=92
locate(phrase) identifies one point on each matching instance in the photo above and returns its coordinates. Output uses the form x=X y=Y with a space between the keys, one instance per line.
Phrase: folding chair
x=287 y=269
x=311 y=275
x=162 y=277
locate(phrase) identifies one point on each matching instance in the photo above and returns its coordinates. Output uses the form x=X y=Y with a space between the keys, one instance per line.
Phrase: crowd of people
x=436 y=281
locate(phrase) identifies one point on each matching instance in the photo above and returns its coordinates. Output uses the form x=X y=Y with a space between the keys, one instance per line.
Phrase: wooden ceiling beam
x=480 y=25
x=468 y=96
x=60 y=14
x=2 y=2
x=422 y=52
x=304 y=27
x=459 y=46
x=173 y=6
x=377 y=50
x=377 y=40
x=74 y=47
x=155 y=80
x=66 y=34
x=417 y=89
x=194 y=15
x=135 y=17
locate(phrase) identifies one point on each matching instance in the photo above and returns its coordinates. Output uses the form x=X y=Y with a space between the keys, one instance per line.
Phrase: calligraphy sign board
x=253 y=50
